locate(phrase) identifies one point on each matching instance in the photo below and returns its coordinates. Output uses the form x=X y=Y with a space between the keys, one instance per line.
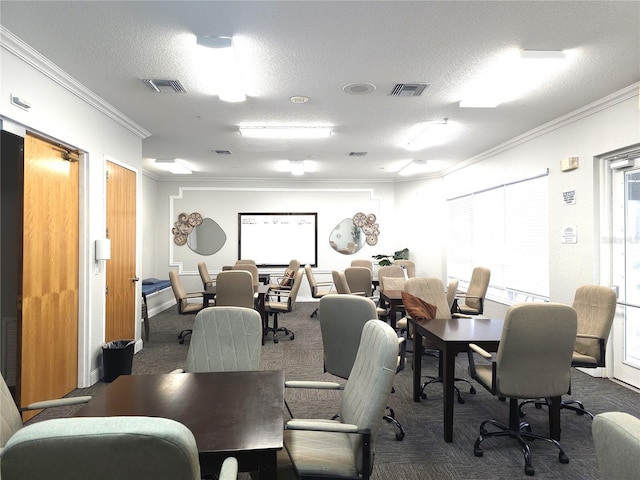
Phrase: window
x=506 y=229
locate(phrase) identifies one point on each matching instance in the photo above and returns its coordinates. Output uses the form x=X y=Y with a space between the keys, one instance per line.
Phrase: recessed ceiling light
x=172 y=165
x=358 y=88
x=299 y=99
x=285 y=132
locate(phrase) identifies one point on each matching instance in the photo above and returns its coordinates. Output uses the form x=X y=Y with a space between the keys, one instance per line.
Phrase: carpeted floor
x=423 y=454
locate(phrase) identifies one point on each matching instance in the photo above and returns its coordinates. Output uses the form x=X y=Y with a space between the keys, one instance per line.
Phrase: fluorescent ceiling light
x=222 y=63
x=285 y=132
x=430 y=134
x=296 y=167
x=413 y=168
x=512 y=75
x=173 y=166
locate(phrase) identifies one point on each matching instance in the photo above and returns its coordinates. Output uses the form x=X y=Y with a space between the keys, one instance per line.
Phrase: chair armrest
x=194 y=295
x=472 y=363
x=229 y=469
x=322 y=426
x=480 y=351
x=58 y=402
x=312 y=384
x=586 y=335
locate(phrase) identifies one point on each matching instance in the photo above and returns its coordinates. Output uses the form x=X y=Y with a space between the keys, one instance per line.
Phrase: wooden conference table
x=236 y=414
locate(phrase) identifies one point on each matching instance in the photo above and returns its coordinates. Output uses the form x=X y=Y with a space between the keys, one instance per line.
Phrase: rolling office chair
x=342 y=318
x=476 y=292
x=235 y=288
x=207 y=282
x=616 y=436
x=362 y=262
x=285 y=281
x=359 y=279
x=253 y=270
x=452 y=289
x=182 y=300
x=282 y=301
x=533 y=360
x=318 y=289
x=408 y=265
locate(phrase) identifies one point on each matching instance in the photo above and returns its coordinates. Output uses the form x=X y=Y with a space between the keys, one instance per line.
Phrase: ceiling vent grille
x=357 y=154
x=408 y=89
x=164 y=86
x=222 y=152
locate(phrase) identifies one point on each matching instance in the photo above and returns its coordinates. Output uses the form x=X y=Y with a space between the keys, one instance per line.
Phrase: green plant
x=385 y=260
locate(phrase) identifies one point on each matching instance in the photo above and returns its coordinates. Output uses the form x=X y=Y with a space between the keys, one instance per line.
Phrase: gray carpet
x=423 y=454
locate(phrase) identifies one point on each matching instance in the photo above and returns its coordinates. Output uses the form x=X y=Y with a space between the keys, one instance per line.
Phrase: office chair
x=408 y=265
x=285 y=281
x=344 y=448
x=225 y=339
x=127 y=448
x=431 y=291
x=452 y=289
x=616 y=437
x=235 y=288
x=10 y=417
x=595 y=306
x=182 y=300
x=253 y=270
x=282 y=301
x=342 y=318
x=318 y=289
x=533 y=360
x=476 y=292
x=340 y=282
x=207 y=282
x=359 y=279
x=245 y=261
x=361 y=262
x=391 y=277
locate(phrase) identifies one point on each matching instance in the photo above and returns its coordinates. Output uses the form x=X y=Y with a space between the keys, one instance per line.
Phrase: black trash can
x=117 y=358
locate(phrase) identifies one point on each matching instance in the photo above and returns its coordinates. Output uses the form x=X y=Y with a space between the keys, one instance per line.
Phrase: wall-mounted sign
x=569 y=197
x=569 y=234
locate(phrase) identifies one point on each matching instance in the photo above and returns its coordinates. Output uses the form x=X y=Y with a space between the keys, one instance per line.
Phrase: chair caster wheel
x=472 y=391
x=292 y=336
x=529 y=470
x=460 y=400
x=579 y=412
x=400 y=436
x=423 y=396
x=538 y=406
x=563 y=457
x=275 y=340
x=478 y=452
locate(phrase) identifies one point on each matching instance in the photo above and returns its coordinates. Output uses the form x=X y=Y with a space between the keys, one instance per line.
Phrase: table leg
x=417 y=364
x=448 y=364
x=554 y=417
x=269 y=468
x=392 y=314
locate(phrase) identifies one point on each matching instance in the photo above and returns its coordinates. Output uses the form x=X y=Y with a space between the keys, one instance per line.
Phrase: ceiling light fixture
x=413 y=167
x=220 y=56
x=432 y=133
x=296 y=167
x=285 y=132
x=172 y=165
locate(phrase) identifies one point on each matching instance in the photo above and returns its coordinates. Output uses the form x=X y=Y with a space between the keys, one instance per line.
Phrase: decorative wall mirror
x=207 y=238
x=346 y=237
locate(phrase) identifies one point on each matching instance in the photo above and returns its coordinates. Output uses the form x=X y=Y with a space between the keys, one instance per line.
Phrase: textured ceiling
x=314 y=49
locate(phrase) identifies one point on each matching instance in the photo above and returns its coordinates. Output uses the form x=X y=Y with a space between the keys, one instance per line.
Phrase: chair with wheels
x=533 y=360
x=235 y=288
x=253 y=270
x=182 y=299
x=616 y=436
x=279 y=302
x=207 y=282
x=318 y=289
x=452 y=289
x=408 y=265
x=285 y=280
x=359 y=279
x=344 y=448
x=473 y=299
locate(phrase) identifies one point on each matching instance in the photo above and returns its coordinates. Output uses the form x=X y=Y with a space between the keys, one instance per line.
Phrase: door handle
x=135 y=279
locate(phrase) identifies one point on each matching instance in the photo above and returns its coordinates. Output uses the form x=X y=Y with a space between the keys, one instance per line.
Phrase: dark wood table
x=208 y=296
x=450 y=337
x=393 y=298
x=236 y=414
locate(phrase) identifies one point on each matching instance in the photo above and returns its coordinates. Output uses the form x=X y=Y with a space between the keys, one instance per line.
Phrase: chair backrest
x=245 y=262
x=596 y=307
x=225 y=339
x=342 y=318
x=340 y=282
x=452 y=288
x=127 y=448
x=478 y=286
x=253 y=270
x=431 y=290
x=616 y=437
x=409 y=266
x=234 y=288
x=10 y=419
x=391 y=277
x=370 y=383
x=295 y=288
x=362 y=262
x=204 y=275
x=313 y=284
x=534 y=355
x=359 y=279
x=178 y=290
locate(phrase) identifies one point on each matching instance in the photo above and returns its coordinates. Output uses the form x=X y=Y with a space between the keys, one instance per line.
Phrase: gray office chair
x=452 y=289
x=10 y=417
x=318 y=289
x=235 y=288
x=253 y=270
x=317 y=448
x=340 y=282
x=359 y=279
x=127 y=448
x=285 y=280
x=533 y=360
x=282 y=301
x=408 y=265
x=595 y=306
x=342 y=318
x=225 y=339
x=473 y=303
x=207 y=282
x=431 y=290
x=616 y=436
x=182 y=300
x=362 y=262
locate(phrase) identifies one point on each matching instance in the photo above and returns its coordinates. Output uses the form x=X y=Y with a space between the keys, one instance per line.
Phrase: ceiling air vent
x=408 y=89
x=164 y=86
x=357 y=154
x=222 y=152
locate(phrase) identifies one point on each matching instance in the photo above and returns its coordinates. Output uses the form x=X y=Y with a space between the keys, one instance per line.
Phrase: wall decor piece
x=368 y=225
x=206 y=238
x=184 y=226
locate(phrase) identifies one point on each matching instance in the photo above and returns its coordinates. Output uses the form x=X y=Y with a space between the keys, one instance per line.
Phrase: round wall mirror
x=207 y=238
x=346 y=237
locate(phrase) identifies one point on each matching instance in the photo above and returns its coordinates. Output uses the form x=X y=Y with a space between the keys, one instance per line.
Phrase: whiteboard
x=273 y=239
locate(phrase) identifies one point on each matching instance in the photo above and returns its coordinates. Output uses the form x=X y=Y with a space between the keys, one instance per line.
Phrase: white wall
x=59 y=111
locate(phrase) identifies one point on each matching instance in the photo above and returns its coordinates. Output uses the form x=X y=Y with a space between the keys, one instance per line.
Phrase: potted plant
x=385 y=260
